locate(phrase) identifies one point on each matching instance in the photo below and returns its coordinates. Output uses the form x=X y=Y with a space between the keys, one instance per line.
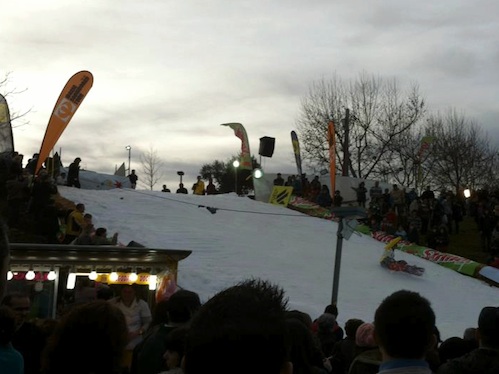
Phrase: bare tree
x=151 y=168
x=17 y=118
x=462 y=155
x=380 y=114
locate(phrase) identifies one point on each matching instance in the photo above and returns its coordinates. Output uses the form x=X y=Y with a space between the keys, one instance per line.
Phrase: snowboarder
x=388 y=260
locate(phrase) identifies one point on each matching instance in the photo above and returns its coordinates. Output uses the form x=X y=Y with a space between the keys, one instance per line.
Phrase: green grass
x=467 y=243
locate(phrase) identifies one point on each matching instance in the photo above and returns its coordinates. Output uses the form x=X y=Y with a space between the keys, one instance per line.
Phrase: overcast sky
x=168 y=73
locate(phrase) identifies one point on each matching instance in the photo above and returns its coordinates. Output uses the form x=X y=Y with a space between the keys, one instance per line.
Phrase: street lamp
x=236 y=165
x=180 y=173
x=343 y=213
x=129 y=149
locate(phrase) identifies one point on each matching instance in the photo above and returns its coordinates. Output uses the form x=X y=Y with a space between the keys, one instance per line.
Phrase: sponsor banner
x=304 y=206
x=448 y=260
x=6 y=137
x=240 y=132
x=68 y=102
x=124 y=278
x=296 y=150
x=281 y=195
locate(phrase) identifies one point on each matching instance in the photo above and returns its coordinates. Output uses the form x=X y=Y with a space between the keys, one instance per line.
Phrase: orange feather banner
x=68 y=102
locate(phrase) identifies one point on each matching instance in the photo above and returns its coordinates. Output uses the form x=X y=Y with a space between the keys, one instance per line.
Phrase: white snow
x=247 y=238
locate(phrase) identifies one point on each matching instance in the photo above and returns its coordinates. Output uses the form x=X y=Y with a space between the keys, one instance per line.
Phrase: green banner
x=448 y=260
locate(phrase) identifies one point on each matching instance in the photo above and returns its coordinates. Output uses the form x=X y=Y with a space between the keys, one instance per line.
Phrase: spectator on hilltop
x=100 y=237
x=361 y=192
x=74 y=173
x=404 y=326
x=337 y=199
x=198 y=187
x=244 y=326
x=31 y=165
x=210 y=188
x=485 y=359
x=165 y=189
x=75 y=223
x=324 y=198
x=398 y=199
x=182 y=189
x=133 y=178
x=375 y=192
x=86 y=236
x=279 y=181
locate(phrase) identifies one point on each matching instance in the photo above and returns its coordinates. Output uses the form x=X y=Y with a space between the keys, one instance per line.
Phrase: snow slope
x=247 y=238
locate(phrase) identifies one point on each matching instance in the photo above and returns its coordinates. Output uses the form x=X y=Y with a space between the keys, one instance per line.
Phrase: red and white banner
x=240 y=132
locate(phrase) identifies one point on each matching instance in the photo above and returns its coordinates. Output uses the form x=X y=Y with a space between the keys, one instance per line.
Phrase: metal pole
x=129 y=159
x=235 y=178
x=337 y=262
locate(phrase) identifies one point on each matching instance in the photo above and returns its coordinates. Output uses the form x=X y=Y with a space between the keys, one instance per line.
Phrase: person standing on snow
x=198 y=187
x=133 y=179
x=74 y=173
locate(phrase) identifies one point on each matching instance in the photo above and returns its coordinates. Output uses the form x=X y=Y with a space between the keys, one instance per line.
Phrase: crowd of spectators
x=246 y=328
x=428 y=219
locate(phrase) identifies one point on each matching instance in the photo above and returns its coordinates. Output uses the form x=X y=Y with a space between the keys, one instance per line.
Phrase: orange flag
x=332 y=156
x=69 y=100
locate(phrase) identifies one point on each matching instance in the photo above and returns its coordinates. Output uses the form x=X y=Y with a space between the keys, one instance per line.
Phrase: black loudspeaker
x=267 y=145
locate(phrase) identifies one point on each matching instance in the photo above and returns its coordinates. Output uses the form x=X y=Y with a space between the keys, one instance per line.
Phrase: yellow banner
x=281 y=195
x=124 y=278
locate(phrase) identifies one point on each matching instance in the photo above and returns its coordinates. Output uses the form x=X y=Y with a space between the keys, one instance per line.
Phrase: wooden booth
x=59 y=276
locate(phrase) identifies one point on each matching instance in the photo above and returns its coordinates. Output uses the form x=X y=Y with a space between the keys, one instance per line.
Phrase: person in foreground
x=91 y=338
x=404 y=330
x=484 y=359
x=240 y=330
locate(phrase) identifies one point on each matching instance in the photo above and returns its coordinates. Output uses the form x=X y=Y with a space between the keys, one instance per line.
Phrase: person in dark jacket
x=324 y=197
x=344 y=350
x=485 y=359
x=74 y=173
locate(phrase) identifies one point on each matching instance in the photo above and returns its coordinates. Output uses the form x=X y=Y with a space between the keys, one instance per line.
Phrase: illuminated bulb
x=30 y=275
x=258 y=173
x=92 y=275
x=70 y=285
x=152 y=282
x=133 y=276
x=10 y=275
x=51 y=275
x=113 y=277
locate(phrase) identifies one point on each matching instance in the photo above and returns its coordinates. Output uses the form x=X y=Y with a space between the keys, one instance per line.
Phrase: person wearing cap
x=484 y=359
x=74 y=173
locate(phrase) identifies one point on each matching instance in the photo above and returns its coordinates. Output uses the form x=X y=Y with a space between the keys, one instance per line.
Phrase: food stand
x=56 y=276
